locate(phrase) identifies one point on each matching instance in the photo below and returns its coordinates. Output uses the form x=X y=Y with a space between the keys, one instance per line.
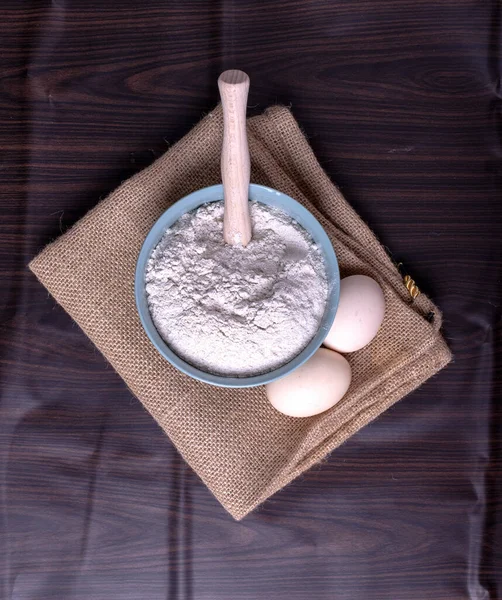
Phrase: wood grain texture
x=400 y=100
x=235 y=163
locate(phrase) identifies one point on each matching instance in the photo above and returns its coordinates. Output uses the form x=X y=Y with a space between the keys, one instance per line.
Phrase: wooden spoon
x=235 y=164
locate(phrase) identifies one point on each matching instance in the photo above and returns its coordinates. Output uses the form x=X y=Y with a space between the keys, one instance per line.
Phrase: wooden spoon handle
x=235 y=165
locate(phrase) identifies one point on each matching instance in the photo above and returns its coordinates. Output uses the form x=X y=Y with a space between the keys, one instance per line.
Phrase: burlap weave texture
x=238 y=444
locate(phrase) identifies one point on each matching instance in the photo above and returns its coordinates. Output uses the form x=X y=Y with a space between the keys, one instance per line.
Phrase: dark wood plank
x=401 y=102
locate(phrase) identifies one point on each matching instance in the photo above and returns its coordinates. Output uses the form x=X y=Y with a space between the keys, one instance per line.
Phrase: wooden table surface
x=400 y=100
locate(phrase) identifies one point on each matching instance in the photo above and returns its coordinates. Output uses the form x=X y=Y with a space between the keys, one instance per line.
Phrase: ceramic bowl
x=267 y=196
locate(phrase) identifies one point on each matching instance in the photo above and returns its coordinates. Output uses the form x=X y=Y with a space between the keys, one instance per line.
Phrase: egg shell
x=312 y=388
x=360 y=314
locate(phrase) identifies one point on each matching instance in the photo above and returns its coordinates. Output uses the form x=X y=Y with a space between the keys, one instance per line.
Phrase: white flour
x=231 y=310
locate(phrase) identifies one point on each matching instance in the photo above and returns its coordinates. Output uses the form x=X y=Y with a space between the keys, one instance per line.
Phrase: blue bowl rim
x=152 y=240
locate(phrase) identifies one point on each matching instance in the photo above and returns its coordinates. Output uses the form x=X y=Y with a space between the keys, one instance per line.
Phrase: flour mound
x=236 y=311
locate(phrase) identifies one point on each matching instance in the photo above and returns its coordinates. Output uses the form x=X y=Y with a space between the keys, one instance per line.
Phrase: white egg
x=360 y=313
x=312 y=388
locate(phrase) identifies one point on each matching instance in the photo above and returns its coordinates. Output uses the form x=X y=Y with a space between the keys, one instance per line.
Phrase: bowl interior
x=266 y=196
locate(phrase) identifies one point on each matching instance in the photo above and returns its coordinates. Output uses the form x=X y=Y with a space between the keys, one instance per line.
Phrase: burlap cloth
x=237 y=443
